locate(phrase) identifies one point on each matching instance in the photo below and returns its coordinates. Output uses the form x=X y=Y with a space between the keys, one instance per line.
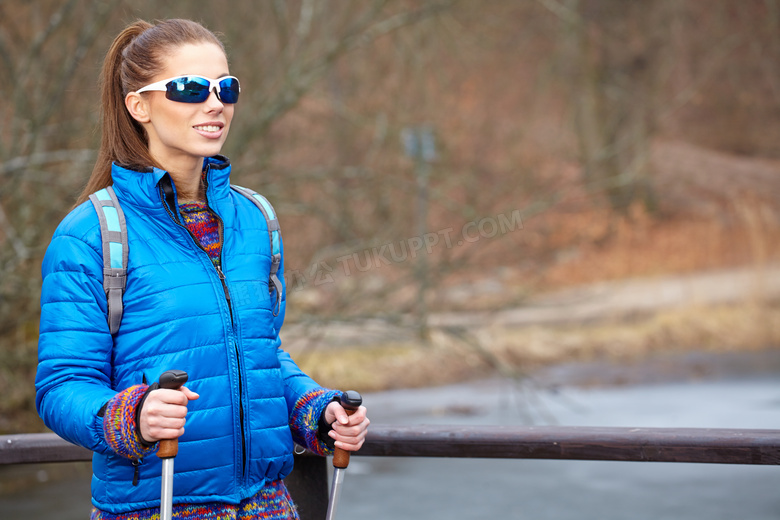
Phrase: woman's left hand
x=349 y=431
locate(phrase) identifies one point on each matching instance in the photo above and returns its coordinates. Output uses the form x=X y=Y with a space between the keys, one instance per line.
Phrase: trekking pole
x=350 y=401
x=173 y=380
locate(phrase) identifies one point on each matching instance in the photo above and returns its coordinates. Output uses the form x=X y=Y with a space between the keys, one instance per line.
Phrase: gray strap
x=274 y=236
x=113 y=234
x=275 y=261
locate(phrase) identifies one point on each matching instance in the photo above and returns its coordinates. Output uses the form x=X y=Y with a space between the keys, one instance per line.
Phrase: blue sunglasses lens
x=229 y=90
x=194 y=89
x=187 y=89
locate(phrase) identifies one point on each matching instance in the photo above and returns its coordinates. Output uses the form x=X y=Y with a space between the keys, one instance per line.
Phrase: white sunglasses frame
x=161 y=86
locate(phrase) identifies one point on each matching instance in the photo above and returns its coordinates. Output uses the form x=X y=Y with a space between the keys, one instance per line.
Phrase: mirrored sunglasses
x=196 y=89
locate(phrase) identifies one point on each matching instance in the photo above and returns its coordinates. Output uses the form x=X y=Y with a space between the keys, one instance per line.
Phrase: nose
x=213 y=101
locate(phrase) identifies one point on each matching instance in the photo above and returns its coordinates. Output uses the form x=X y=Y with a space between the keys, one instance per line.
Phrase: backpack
x=113 y=233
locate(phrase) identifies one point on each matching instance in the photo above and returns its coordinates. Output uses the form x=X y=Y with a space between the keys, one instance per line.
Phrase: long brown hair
x=135 y=57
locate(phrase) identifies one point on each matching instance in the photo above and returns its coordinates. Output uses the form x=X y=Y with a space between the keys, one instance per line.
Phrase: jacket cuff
x=120 y=427
x=305 y=421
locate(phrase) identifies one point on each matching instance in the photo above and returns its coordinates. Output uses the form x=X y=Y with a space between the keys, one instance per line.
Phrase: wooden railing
x=308 y=482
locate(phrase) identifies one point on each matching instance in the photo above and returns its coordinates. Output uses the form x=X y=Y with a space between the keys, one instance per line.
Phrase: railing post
x=308 y=485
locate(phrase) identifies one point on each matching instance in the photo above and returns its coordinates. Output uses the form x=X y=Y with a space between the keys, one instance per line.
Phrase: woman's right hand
x=163 y=413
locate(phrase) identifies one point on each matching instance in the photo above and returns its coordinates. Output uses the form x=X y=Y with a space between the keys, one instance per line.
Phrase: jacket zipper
x=223 y=281
x=238 y=363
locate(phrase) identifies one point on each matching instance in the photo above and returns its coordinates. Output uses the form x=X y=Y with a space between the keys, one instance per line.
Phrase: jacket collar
x=141 y=187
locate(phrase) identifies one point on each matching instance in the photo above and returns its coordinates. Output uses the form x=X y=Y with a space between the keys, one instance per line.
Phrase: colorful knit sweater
x=204 y=227
x=273 y=502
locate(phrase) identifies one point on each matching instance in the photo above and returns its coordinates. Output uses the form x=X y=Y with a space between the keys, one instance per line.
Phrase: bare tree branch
x=305 y=18
x=56 y=20
x=86 y=39
x=6 y=56
x=22 y=253
x=279 y=10
x=564 y=12
x=21 y=98
x=301 y=75
x=18 y=164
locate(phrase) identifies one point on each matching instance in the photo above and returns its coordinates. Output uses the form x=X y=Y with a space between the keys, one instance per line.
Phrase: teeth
x=208 y=128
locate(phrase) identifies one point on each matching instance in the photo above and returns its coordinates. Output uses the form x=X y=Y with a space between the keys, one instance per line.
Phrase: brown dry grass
x=515 y=352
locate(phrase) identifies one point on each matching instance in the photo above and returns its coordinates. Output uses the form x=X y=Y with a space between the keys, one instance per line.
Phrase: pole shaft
x=351 y=401
x=166 y=495
x=335 y=493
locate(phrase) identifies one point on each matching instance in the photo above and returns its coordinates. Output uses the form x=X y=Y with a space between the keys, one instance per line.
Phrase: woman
x=196 y=299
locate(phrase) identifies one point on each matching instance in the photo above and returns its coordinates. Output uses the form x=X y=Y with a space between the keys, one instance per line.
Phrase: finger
x=167 y=430
x=352 y=430
x=341 y=415
x=174 y=412
x=167 y=433
x=355 y=419
x=359 y=416
x=330 y=412
x=349 y=442
x=168 y=417
x=191 y=396
x=154 y=411
x=352 y=445
x=352 y=436
x=158 y=427
x=167 y=396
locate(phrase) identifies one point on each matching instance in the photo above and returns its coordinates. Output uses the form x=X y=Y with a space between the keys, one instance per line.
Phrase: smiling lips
x=210 y=130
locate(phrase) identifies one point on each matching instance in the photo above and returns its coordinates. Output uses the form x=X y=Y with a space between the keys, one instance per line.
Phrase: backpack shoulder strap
x=113 y=233
x=274 y=236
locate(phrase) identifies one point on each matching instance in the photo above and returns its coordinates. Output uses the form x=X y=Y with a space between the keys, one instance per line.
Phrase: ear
x=138 y=107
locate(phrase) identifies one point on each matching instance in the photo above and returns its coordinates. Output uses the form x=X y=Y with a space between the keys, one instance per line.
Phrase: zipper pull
x=224 y=282
x=136 y=471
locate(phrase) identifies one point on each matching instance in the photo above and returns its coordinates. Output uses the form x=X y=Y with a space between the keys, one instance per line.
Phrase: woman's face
x=181 y=134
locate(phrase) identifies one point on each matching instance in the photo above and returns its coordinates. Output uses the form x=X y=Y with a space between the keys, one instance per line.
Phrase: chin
x=210 y=151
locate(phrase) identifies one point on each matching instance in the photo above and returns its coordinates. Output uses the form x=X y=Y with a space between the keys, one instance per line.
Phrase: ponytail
x=135 y=57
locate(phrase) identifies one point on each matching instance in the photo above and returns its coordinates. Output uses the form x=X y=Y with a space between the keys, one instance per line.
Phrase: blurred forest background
x=434 y=159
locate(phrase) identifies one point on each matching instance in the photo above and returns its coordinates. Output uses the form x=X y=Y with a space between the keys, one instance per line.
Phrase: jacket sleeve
x=296 y=382
x=73 y=380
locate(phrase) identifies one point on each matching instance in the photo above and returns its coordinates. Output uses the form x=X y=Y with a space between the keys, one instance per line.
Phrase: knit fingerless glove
x=119 y=424
x=305 y=421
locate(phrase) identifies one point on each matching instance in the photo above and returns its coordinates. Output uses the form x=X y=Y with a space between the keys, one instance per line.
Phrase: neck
x=188 y=181
x=189 y=188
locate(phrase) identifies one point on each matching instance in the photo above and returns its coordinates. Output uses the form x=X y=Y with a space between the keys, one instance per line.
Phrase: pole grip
x=172 y=380
x=350 y=401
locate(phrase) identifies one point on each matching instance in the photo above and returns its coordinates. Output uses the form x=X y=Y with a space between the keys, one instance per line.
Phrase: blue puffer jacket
x=177 y=314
